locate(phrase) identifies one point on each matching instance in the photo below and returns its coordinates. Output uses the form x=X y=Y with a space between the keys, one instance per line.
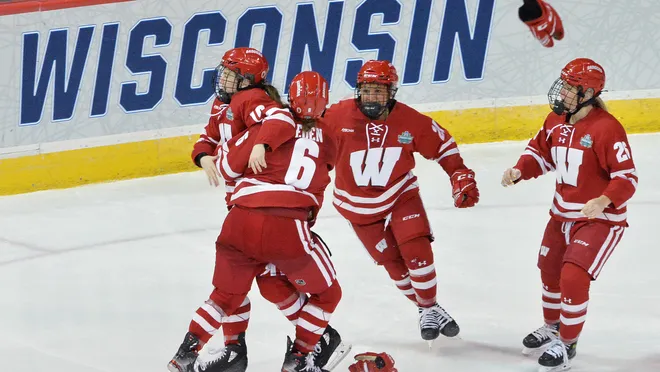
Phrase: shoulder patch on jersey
x=586 y=141
x=230 y=114
x=405 y=138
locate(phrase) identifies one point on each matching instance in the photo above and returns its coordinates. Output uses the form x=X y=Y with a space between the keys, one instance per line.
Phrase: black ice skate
x=297 y=361
x=539 y=340
x=557 y=357
x=434 y=321
x=330 y=350
x=231 y=358
x=185 y=357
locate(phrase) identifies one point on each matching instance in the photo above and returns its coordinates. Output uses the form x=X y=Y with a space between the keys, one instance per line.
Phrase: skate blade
x=563 y=367
x=449 y=340
x=173 y=367
x=340 y=353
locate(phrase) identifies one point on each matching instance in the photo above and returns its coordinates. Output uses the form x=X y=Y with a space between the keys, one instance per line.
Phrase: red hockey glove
x=373 y=362
x=542 y=20
x=464 y=188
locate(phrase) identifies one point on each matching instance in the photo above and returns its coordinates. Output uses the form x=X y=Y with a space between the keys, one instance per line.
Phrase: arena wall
x=103 y=90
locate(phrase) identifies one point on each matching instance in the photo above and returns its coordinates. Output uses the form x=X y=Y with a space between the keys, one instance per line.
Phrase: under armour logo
x=414 y=261
x=568 y=300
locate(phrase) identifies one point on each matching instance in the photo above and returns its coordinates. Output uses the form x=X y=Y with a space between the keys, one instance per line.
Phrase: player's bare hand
x=510 y=176
x=595 y=207
x=208 y=164
x=257 y=160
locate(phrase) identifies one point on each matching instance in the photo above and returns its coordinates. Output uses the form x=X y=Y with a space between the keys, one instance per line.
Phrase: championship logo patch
x=586 y=141
x=405 y=138
x=230 y=115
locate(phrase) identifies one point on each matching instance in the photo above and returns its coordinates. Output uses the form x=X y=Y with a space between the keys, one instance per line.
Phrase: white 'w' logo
x=368 y=171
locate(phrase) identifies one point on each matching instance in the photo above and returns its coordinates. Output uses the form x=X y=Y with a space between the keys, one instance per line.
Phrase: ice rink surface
x=106 y=277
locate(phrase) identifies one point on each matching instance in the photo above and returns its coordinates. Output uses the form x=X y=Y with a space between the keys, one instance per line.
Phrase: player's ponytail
x=598 y=102
x=274 y=95
x=308 y=124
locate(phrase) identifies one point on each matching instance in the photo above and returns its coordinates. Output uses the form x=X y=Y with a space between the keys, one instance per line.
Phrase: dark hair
x=274 y=94
x=308 y=124
x=598 y=102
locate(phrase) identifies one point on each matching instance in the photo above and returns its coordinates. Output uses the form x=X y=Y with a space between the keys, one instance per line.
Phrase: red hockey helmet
x=308 y=95
x=381 y=72
x=586 y=73
x=376 y=72
x=567 y=94
x=247 y=62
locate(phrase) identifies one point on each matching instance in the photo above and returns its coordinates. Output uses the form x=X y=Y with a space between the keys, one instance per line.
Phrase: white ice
x=106 y=277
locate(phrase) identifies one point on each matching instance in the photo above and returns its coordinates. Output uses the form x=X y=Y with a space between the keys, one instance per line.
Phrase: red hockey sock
x=213 y=314
x=418 y=256
x=279 y=291
x=551 y=297
x=234 y=325
x=315 y=316
x=206 y=321
x=398 y=272
x=575 y=283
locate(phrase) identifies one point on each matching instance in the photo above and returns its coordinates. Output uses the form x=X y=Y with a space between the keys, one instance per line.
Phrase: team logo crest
x=586 y=141
x=405 y=138
x=230 y=114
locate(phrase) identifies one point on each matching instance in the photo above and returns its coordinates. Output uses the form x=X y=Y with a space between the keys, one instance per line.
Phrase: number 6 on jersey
x=302 y=167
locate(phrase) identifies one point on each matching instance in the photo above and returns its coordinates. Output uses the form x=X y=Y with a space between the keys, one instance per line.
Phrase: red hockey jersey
x=590 y=159
x=248 y=107
x=297 y=172
x=218 y=130
x=375 y=158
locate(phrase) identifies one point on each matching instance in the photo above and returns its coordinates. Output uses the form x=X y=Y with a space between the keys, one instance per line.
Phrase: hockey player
x=269 y=222
x=376 y=191
x=542 y=20
x=243 y=98
x=588 y=149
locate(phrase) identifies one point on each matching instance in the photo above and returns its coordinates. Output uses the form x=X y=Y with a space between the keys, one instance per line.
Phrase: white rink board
x=140 y=66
